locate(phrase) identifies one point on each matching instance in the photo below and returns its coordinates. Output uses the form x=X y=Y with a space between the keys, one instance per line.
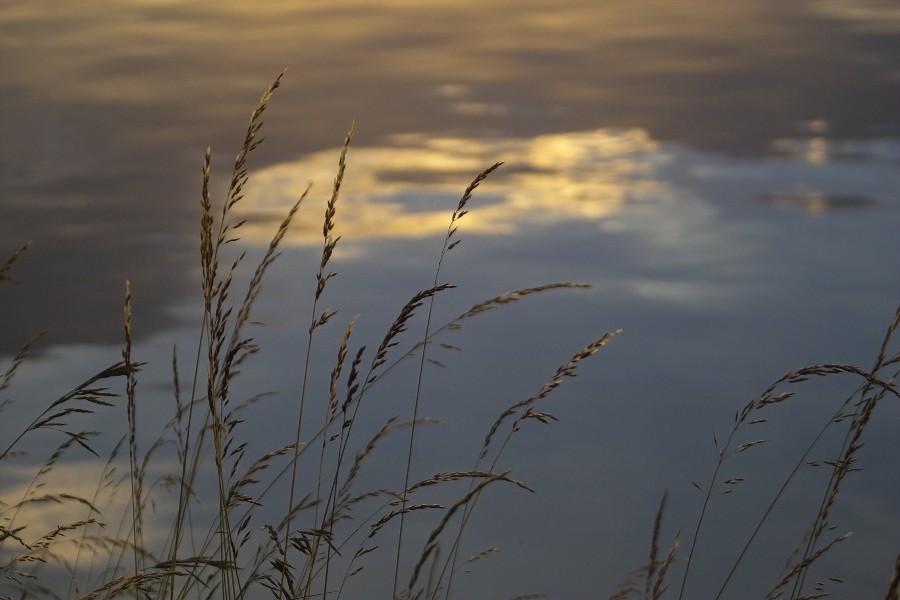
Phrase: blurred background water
x=724 y=174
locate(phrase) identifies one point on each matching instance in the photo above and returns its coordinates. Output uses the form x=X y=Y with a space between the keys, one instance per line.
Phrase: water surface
x=723 y=174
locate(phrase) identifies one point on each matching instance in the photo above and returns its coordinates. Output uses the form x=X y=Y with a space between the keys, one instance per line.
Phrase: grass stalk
x=130 y=392
x=445 y=248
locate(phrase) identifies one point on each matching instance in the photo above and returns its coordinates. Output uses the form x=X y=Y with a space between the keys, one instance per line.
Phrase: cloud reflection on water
x=408 y=188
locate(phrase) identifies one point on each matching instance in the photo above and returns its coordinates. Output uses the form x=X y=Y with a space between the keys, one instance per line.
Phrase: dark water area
x=724 y=175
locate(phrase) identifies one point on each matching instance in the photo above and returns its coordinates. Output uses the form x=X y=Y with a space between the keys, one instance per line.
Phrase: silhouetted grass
x=327 y=525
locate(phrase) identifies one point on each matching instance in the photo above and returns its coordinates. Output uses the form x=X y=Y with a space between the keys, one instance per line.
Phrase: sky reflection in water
x=724 y=173
x=405 y=188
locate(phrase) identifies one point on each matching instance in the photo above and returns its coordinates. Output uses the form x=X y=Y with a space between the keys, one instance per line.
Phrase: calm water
x=724 y=174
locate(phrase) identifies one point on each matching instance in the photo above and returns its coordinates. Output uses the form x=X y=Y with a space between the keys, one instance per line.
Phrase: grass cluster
x=199 y=485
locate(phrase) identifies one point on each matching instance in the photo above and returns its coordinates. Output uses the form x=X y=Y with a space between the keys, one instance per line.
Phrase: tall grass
x=328 y=522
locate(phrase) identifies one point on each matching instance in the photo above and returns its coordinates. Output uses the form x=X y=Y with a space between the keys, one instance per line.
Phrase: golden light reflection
x=408 y=189
x=60 y=500
x=135 y=52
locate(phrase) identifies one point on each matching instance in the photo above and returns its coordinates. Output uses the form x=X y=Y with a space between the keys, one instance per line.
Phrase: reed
x=329 y=523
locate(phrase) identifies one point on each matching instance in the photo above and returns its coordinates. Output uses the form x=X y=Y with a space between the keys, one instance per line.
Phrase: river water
x=723 y=174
